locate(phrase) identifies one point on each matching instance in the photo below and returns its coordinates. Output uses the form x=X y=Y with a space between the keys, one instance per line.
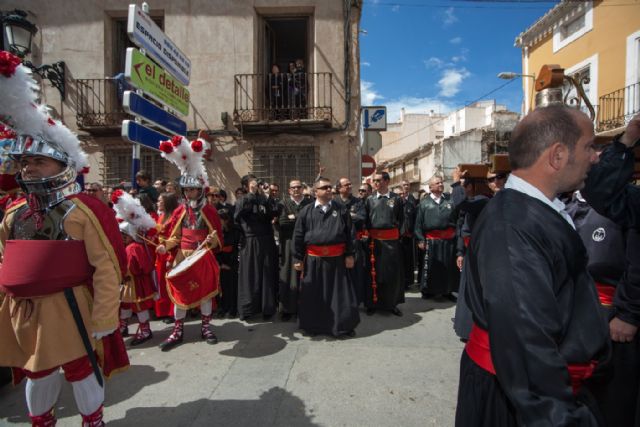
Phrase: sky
x=442 y=54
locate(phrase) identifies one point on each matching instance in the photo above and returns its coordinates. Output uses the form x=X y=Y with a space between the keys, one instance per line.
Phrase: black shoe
x=168 y=320
x=244 y=317
x=232 y=315
x=427 y=295
x=451 y=297
x=371 y=311
x=350 y=334
x=170 y=343
x=396 y=312
x=267 y=316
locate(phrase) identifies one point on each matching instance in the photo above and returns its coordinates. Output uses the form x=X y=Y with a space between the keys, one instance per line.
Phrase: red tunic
x=139 y=289
x=163 y=306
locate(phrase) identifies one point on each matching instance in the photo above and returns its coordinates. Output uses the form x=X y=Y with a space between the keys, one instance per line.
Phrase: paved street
x=400 y=371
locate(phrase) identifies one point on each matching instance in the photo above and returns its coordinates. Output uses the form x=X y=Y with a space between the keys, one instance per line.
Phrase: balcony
x=99 y=105
x=282 y=101
x=617 y=108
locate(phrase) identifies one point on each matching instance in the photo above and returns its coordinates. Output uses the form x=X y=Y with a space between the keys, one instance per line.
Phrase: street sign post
x=145 y=75
x=136 y=105
x=368 y=165
x=140 y=134
x=147 y=35
x=374 y=118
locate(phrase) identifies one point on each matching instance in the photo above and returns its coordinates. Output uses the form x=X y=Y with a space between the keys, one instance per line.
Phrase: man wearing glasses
x=289 y=278
x=385 y=213
x=323 y=251
x=94 y=189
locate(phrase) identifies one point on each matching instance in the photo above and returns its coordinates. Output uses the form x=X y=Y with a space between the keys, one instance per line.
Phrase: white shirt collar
x=435 y=199
x=387 y=195
x=514 y=182
x=324 y=207
x=294 y=200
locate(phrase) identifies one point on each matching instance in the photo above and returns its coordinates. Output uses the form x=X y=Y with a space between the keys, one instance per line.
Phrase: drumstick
x=204 y=242
x=147 y=240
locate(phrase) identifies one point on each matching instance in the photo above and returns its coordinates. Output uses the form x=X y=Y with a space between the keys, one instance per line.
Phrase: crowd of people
x=547 y=258
x=286 y=93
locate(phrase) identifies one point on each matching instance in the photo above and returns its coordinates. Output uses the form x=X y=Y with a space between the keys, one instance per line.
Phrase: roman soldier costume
x=62 y=264
x=191 y=224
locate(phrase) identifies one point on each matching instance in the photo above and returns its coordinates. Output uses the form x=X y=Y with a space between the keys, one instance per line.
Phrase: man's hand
x=457 y=174
x=161 y=249
x=632 y=132
x=622 y=331
x=349 y=261
x=212 y=240
x=459 y=262
x=421 y=245
x=297 y=266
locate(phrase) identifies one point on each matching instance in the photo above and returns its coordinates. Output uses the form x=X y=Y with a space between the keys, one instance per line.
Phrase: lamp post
x=508 y=75
x=17 y=34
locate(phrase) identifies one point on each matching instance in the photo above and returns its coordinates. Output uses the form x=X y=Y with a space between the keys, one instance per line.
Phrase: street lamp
x=509 y=75
x=17 y=33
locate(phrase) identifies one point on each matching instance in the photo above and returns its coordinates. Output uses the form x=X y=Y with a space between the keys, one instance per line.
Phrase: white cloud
x=456 y=40
x=449 y=17
x=368 y=95
x=434 y=62
x=365 y=64
x=451 y=80
x=395 y=8
x=413 y=104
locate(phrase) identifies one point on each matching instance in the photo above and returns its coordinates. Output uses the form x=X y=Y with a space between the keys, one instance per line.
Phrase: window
x=285 y=41
x=120 y=42
x=117 y=164
x=632 y=79
x=282 y=164
x=573 y=27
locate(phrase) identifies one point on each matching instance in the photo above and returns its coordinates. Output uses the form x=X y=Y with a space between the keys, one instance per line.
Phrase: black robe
x=386 y=213
x=440 y=274
x=607 y=187
x=529 y=288
x=328 y=302
x=258 y=274
x=408 y=239
x=229 y=277
x=614 y=260
x=289 y=278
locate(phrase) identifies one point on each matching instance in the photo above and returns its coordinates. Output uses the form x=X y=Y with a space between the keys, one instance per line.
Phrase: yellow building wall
x=608 y=38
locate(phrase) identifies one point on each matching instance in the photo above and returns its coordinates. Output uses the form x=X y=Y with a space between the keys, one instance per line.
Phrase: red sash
x=362 y=234
x=384 y=233
x=227 y=249
x=605 y=293
x=446 y=234
x=192 y=238
x=53 y=266
x=467 y=241
x=327 y=250
x=479 y=351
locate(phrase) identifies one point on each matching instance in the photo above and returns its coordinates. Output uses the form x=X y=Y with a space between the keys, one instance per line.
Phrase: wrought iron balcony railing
x=99 y=103
x=282 y=98
x=618 y=107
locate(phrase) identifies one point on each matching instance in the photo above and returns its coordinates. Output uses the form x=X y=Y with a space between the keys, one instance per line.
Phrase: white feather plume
x=129 y=210
x=180 y=152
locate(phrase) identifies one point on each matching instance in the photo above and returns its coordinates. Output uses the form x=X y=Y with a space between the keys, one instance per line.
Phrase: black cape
x=528 y=286
x=258 y=273
x=229 y=277
x=328 y=302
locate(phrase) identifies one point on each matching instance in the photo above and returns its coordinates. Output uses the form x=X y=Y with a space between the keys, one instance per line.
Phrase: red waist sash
x=362 y=234
x=446 y=234
x=467 y=241
x=384 y=233
x=605 y=293
x=33 y=268
x=192 y=238
x=326 y=250
x=227 y=249
x=479 y=351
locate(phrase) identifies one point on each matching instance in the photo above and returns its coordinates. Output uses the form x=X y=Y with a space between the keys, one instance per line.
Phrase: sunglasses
x=362 y=191
x=295 y=187
x=324 y=187
x=377 y=180
x=499 y=176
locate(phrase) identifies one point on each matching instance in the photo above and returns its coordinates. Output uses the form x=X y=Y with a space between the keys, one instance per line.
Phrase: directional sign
x=135 y=132
x=138 y=106
x=374 y=118
x=144 y=74
x=368 y=165
x=146 y=34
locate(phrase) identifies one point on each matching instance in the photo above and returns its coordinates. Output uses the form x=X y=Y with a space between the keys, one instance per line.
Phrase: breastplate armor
x=52 y=225
x=198 y=224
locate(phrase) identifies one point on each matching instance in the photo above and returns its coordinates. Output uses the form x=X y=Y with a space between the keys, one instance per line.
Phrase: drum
x=195 y=279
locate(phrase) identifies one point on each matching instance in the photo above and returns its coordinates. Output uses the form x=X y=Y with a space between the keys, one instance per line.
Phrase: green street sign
x=159 y=84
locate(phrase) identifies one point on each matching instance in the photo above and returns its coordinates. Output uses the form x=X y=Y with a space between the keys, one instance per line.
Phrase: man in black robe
x=323 y=251
x=607 y=188
x=289 y=277
x=385 y=213
x=537 y=332
x=257 y=275
x=406 y=234
x=435 y=231
x=614 y=264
